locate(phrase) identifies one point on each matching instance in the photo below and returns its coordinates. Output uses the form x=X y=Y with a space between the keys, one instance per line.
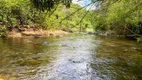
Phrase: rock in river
x=45 y=44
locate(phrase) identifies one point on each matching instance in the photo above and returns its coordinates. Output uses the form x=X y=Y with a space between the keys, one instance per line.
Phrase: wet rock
x=112 y=45
x=27 y=41
x=70 y=59
x=36 y=57
x=67 y=30
x=38 y=36
x=134 y=48
x=76 y=61
x=45 y=44
x=64 y=45
x=90 y=33
x=125 y=50
x=51 y=34
x=57 y=36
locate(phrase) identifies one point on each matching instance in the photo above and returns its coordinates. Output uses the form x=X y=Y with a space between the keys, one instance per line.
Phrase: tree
x=49 y=4
x=118 y=15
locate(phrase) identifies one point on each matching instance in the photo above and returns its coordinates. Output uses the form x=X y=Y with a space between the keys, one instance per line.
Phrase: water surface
x=74 y=57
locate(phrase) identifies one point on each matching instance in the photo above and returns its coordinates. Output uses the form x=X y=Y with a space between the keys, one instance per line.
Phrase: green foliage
x=72 y=22
x=118 y=14
x=49 y=4
x=3 y=30
x=45 y=13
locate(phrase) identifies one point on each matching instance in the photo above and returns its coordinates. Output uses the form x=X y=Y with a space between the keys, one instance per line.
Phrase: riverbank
x=136 y=37
x=37 y=34
x=34 y=31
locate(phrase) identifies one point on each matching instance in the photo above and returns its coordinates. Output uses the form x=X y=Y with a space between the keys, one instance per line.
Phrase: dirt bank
x=40 y=33
x=26 y=31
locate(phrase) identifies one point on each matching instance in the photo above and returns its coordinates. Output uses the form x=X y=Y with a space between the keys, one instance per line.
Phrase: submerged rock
x=38 y=36
x=57 y=36
x=45 y=44
x=76 y=61
x=64 y=45
x=67 y=30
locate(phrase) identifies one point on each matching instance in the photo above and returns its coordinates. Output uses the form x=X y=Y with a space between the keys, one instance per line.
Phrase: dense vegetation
x=121 y=16
x=117 y=16
x=35 y=13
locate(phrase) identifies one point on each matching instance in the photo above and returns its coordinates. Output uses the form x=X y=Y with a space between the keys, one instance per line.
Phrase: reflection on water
x=118 y=59
x=20 y=57
x=81 y=57
x=73 y=62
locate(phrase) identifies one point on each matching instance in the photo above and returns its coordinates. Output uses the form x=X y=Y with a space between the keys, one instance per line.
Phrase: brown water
x=74 y=57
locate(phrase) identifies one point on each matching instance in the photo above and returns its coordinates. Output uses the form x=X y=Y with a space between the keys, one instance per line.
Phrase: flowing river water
x=74 y=57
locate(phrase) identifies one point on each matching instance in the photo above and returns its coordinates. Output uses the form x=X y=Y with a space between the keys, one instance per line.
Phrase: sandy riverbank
x=38 y=33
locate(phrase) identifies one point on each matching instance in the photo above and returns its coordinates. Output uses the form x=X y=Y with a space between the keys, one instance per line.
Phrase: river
x=73 y=57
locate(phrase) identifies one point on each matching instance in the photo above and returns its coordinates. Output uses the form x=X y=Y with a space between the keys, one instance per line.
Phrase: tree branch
x=85 y=14
x=77 y=11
